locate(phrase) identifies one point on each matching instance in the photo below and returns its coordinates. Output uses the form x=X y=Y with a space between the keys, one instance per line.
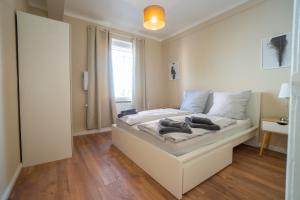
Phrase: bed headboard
x=253 y=110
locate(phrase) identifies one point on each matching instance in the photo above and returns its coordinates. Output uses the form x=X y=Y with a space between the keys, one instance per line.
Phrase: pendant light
x=154 y=17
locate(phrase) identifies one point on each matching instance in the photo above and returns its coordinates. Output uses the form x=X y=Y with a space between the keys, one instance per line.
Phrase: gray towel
x=172 y=123
x=201 y=120
x=169 y=126
x=213 y=127
x=127 y=112
x=164 y=130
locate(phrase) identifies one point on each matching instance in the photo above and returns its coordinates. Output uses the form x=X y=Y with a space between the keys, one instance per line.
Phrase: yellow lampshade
x=154 y=17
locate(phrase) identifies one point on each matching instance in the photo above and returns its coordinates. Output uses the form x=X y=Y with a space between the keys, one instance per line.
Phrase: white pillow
x=231 y=105
x=194 y=101
x=209 y=103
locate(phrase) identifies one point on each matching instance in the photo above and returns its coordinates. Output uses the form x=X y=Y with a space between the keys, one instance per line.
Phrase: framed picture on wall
x=174 y=72
x=276 y=51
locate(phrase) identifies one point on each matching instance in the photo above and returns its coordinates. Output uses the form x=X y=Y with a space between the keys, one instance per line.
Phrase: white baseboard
x=255 y=142
x=87 y=132
x=276 y=148
x=11 y=184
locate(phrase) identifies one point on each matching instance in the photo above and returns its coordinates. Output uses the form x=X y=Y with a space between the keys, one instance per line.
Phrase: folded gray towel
x=167 y=129
x=201 y=120
x=172 y=123
x=127 y=112
x=213 y=127
x=133 y=110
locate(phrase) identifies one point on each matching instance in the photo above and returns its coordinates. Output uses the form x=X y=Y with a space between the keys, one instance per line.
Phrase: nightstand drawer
x=274 y=127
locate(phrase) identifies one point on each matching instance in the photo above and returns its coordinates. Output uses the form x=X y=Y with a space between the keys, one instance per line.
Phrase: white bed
x=184 y=147
x=181 y=166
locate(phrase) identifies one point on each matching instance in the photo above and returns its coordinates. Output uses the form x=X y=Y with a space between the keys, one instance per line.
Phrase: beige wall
x=225 y=54
x=9 y=127
x=222 y=54
x=155 y=78
x=153 y=62
x=79 y=64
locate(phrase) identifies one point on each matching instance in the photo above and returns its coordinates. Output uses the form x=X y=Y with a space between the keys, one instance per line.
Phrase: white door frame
x=293 y=159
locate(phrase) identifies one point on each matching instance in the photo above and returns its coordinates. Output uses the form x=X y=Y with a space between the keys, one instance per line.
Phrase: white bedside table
x=268 y=127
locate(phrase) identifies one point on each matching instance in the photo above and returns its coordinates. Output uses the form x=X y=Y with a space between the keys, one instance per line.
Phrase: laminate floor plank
x=98 y=170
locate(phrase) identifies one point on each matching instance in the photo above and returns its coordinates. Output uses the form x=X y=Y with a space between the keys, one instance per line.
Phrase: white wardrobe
x=44 y=89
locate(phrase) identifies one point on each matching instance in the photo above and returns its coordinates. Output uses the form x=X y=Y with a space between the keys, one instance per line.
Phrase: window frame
x=130 y=40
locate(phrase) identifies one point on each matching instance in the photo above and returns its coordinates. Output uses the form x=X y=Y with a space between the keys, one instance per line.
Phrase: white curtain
x=111 y=81
x=139 y=86
x=100 y=89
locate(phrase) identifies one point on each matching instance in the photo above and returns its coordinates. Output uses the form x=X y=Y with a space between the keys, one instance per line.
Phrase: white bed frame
x=179 y=174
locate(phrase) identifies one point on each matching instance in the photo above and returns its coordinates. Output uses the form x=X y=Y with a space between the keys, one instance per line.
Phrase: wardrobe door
x=44 y=82
x=293 y=159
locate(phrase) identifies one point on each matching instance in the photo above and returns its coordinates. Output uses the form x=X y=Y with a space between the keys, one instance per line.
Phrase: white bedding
x=187 y=146
x=151 y=115
x=152 y=128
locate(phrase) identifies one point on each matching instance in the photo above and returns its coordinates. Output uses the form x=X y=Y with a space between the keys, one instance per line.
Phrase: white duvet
x=152 y=128
x=150 y=115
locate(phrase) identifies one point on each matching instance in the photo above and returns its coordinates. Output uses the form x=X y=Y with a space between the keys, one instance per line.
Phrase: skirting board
x=257 y=144
x=11 y=184
x=277 y=149
x=87 y=132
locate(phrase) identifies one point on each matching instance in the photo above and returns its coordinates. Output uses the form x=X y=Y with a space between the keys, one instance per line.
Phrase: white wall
x=224 y=54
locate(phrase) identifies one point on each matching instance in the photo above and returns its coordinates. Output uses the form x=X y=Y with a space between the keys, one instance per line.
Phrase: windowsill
x=123 y=101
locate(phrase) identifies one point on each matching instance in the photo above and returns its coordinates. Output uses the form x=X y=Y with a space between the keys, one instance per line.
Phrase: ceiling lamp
x=154 y=17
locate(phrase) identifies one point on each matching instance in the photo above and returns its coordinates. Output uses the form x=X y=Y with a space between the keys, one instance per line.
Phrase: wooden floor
x=100 y=171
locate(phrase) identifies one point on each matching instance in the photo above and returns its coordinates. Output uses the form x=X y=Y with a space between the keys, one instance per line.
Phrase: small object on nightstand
x=271 y=126
x=282 y=122
x=284 y=93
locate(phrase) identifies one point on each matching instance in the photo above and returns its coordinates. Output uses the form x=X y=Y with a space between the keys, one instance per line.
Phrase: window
x=122 y=65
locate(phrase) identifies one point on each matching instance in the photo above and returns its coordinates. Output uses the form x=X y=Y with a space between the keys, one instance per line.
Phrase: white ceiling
x=128 y=14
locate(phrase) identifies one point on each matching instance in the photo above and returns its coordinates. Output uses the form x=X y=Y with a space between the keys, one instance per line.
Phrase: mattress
x=187 y=146
x=150 y=115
